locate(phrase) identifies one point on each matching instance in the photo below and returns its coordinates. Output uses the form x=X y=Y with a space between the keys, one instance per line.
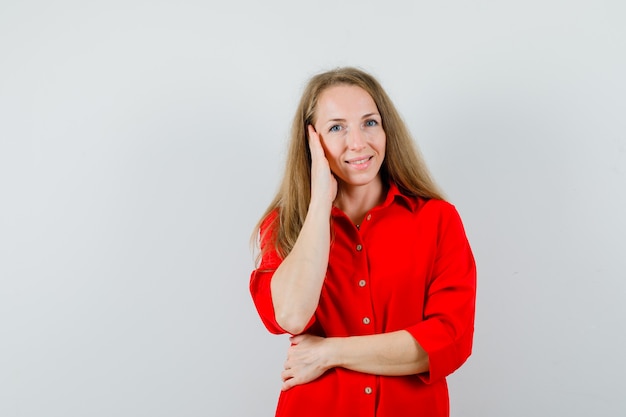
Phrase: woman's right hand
x=297 y=283
x=323 y=182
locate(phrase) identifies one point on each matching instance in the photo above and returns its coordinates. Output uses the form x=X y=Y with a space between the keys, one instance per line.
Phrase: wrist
x=334 y=352
x=320 y=203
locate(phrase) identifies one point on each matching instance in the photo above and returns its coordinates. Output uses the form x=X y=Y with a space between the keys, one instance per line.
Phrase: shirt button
x=366 y=320
x=362 y=283
x=359 y=247
x=369 y=216
x=368 y=390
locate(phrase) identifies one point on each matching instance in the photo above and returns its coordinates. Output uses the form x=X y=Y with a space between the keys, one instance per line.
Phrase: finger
x=296 y=339
x=314 y=139
x=312 y=132
x=288 y=384
x=286 y=374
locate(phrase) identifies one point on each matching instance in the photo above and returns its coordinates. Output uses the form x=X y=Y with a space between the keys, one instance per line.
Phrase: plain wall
x=140 y=141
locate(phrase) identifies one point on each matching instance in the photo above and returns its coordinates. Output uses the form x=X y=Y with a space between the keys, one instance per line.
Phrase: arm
x=297 y=283
x=447 y=330
x=391 y=354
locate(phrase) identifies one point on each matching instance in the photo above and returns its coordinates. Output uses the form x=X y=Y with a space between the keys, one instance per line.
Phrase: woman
x=363 y=262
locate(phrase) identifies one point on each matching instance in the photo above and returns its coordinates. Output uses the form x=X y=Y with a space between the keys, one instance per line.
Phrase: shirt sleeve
x=446 y=333
x=261 y=278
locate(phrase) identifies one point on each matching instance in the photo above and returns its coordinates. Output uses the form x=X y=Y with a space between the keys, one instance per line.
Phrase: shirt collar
x=394 y=194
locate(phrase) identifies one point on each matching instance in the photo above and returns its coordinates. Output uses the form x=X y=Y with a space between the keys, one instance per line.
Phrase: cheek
x=383 y=145
x=333 y=156
x=330 y=149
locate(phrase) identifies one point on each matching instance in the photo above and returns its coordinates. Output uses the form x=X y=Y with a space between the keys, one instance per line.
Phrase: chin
x=359 y=182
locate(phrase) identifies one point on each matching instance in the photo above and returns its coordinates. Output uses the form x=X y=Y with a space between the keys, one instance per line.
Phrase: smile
x=359 y=161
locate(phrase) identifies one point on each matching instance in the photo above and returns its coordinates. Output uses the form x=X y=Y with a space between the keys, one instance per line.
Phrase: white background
x=141 y=140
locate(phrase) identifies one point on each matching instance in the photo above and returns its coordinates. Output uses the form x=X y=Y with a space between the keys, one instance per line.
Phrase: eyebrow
x=365 y=116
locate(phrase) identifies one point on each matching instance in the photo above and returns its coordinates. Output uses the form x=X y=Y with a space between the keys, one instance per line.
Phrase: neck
x=357 y=200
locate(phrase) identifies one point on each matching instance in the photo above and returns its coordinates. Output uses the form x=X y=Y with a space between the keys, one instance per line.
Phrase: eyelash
x=334 y=128
x=368 y=123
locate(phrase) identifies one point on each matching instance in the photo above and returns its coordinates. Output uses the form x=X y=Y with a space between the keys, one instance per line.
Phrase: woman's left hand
x=307 y=359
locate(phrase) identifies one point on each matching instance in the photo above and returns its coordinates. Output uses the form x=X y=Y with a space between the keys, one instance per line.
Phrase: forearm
x=297 y=283
x=391 y=354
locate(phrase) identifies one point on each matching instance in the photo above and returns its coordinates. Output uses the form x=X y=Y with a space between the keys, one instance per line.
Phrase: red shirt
x=409 y=266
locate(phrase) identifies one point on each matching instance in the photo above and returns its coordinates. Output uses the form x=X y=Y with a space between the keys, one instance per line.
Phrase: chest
x=380 y=269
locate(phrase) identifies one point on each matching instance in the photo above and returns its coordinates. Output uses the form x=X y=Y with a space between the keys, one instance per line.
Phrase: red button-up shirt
x=408 y=266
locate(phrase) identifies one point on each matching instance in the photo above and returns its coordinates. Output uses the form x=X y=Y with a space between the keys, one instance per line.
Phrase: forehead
x=344 y=100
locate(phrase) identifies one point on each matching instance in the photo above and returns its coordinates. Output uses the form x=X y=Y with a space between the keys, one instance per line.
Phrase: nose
x=356 y=141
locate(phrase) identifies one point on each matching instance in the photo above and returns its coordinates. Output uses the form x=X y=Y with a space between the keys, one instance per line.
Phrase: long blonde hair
x=403 y=163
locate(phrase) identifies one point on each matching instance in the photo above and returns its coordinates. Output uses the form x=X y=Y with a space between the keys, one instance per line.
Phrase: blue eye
x=371 y=123
x=335 y=128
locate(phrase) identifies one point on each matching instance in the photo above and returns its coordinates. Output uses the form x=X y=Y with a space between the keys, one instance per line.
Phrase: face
x=351 y=131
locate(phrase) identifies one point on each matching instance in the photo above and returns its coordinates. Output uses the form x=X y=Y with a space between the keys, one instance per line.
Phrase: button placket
x=365 y=320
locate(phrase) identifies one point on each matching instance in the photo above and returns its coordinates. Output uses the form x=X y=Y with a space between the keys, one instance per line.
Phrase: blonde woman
x=363 y=262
